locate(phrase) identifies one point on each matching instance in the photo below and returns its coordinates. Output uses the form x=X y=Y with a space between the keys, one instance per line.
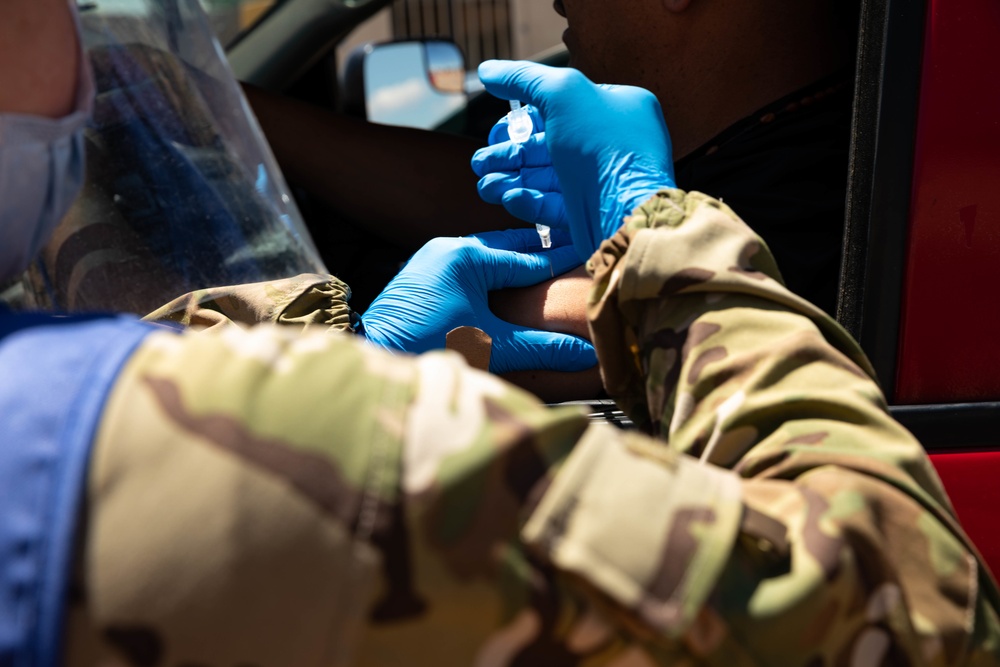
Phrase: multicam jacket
x=266 y=496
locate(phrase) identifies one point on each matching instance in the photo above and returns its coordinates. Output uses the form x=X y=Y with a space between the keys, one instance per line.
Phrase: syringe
x=519 y=128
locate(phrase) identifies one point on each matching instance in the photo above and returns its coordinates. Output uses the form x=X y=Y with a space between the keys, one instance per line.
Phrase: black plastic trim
x=881 y=169
x=941 y=428
x=952 y=427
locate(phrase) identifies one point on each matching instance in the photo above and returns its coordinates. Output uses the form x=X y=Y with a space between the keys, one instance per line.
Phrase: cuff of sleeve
x=612 y=332
x=306 y=299
x=649 y=528
x=680 y=243
x=322 y=303
x=710 y=242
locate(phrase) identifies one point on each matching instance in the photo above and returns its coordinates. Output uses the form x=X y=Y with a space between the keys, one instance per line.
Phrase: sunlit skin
x=38 y=58
x=710 y=62
x=557 y=305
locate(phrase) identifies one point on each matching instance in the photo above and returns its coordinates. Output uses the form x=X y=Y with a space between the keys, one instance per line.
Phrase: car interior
x=917 y=67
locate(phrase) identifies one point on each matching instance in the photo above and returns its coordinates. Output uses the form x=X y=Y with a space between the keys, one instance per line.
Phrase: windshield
x=228 y=18
x=232 y=18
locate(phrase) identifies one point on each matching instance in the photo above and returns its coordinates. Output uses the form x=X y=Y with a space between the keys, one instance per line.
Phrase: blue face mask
x=41 y=171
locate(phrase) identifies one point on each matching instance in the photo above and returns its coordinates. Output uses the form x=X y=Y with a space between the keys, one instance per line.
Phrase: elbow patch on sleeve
x=648 y=527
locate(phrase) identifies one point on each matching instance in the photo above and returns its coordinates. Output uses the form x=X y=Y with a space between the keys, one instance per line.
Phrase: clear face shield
x=182 y=192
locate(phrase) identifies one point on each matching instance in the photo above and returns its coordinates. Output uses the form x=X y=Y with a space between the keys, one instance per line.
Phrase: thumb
x=512 y=157
x=514 y=269
x=547 y=208
x=522 y=349
x=515 y=80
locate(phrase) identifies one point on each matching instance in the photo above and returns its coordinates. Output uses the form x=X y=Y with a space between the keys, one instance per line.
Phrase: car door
x=922 y=247
x=923 y=218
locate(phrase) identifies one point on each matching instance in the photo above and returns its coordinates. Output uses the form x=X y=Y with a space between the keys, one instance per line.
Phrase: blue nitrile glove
x=521 y=178
x=609 y=145
x=445 y=286
x=527 y=186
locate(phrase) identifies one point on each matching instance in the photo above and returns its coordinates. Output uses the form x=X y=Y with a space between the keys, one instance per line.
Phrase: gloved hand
x=521 y=178
x=445 y=286
x=609 y=145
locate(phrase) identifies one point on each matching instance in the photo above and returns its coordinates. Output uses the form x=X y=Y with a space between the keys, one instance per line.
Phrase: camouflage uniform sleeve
x=268 y=496
x=791 y=521
x=307 y=300
x=275 y=497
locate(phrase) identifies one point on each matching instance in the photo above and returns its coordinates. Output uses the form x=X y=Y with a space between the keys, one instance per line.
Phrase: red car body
x=921 y=278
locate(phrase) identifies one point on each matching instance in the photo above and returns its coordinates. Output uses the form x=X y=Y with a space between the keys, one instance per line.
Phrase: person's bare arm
x=557 y=305
x=362 y=169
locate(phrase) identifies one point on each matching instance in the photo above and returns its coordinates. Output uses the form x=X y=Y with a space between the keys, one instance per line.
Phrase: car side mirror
x=416 y=83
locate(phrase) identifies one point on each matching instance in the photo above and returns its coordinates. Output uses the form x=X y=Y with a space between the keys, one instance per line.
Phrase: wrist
x=376 y=338
x=648 y=209
x=633 y=190
x=631 y=201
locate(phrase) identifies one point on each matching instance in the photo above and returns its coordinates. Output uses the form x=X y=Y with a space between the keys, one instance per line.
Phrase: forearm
x=350 y=503
x=700 y=343
x=322 y=301
x=363 y=170
x=435 y=502
x=286 y=497
x=556 y=305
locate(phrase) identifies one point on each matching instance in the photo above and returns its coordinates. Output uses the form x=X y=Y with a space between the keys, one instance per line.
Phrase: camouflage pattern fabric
x=269 y=497
x=307 y=300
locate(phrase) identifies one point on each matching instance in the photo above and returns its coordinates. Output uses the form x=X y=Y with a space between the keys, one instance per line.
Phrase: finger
x=543 y=179
x=543 y=208
x=521 y=349
x=493 y=186
x=525 y=240
x=561 y=237
x=499 y=133
x=517 y=80
x=520 y=240
x=514 y=269
x=508 y=156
